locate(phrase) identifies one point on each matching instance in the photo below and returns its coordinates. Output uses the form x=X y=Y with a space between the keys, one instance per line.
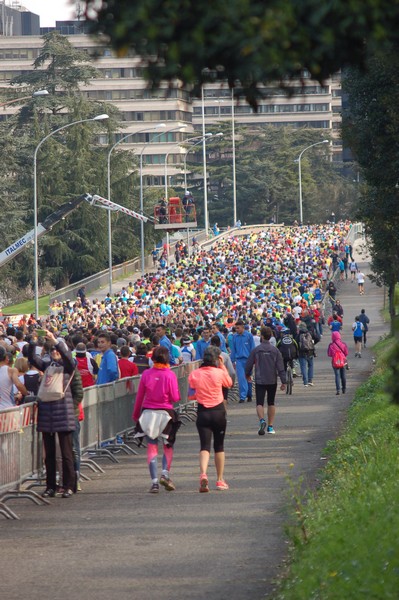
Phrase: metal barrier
x=108 y=416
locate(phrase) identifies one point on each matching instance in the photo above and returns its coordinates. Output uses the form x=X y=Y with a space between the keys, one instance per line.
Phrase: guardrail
x=108 y=416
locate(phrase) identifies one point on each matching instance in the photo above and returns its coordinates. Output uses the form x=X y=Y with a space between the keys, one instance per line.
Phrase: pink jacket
x=157 y=389
x=337 y=343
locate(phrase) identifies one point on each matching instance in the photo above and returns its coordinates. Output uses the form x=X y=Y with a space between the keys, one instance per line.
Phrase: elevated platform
x=173 y=215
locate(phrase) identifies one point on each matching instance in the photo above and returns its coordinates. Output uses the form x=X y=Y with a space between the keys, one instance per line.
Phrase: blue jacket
x=241 y=346
x=222 y=342
x=200 y=348
x=109 y=370
x=165 y=341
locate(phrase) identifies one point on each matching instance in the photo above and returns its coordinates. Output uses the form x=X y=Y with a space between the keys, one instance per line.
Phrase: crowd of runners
x=260 y=289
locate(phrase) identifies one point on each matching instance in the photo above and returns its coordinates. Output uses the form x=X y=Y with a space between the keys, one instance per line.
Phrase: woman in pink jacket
x=208 y=381
x=338 y=351
x=155 y=416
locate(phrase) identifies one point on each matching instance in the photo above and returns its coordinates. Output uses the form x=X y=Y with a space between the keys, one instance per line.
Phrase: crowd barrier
x=108 y=417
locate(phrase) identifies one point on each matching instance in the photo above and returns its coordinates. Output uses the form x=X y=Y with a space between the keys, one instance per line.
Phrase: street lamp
x=298 y=160
x=109 y=195
x=233 y=136
x=35 y=215
x=141 y=191
x=208 y=135
x=166 y=162
x=34 y=95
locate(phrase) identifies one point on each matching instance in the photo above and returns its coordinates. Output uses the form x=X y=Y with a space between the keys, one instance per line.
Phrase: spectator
x=108 y=370
x=57 y=417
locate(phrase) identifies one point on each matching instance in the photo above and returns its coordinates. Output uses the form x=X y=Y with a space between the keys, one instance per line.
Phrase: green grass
x=352 y=522
x=28 y=307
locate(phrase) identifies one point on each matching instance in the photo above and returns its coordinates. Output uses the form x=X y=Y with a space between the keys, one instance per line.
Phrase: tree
x=69 y=163
x=245 y=43
x=267 y=177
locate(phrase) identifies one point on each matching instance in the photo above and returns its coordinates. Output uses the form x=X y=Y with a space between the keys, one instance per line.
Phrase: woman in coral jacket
x=208 y=381
x=155 y=416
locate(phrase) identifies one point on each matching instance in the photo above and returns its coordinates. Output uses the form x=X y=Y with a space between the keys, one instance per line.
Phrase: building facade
x=121 y=83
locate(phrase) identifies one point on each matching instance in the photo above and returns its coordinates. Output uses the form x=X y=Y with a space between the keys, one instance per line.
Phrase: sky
x=50 y=11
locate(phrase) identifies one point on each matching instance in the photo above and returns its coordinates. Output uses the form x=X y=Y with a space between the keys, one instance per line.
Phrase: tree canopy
x=246 y=42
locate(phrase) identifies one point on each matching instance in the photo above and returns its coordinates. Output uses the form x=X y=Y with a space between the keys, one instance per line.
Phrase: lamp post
x=34 y=95
x=300 y=176
x=233 y=136
x=141 y=193
x=35 y=216
x=109 y=195
x=166 y=161
x=204 y=162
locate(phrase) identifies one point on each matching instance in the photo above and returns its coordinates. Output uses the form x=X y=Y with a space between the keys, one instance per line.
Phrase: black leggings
x=212 y=421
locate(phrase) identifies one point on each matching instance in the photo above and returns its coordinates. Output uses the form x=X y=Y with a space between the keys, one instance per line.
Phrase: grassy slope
x=28 y=307
x=352 y=522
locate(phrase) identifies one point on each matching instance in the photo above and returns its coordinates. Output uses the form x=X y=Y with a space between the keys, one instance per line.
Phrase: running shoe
x=48 y=493
x=67 y=494
x=167 y=483
x=270 y=429
x=204 y=484
x=262 y=427
x=222 y=485
x=310 y=383
x=154 y=489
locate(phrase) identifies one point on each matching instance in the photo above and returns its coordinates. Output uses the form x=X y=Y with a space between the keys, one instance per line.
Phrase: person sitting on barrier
x=155 y=416
x=8 y=379
x=57 y=417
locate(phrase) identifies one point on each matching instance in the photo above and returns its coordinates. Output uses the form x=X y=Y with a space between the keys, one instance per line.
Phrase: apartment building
x=121 y=83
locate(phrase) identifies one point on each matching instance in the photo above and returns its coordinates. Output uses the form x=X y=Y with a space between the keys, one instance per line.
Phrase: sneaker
x=222 y=485
x=306 y=385
x=343 y=391
x=359 y=355
x=204 y=485
x=67 y=494
x=48 y=493
x=167 y=483
x=270 y=429
x=310 y=383
x=154 y=489
x=78 y=487
x=337 y=393
x=262 y=427
x=249 y=398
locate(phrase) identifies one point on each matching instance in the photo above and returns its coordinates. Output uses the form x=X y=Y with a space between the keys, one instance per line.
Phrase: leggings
x=212 y=421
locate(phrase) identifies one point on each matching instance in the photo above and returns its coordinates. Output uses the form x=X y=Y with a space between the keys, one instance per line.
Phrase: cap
x=186 y=340
x=136 y=330
x=80 y=348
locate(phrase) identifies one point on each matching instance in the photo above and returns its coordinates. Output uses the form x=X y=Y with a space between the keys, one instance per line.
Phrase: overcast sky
x=50 y=11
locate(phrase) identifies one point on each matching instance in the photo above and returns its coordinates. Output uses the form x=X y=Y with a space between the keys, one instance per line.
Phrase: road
x=114 y=540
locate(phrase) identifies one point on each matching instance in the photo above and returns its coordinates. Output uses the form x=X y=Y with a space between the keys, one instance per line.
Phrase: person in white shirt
x=360 y=282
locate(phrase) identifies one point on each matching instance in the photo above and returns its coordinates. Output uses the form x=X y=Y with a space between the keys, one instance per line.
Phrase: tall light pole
x=109 y=195
x=208 y=136
x=300 y=176
x=141 y=192
x=204 y=161
x=167 y=156
x=233 y=136
x=35 y=215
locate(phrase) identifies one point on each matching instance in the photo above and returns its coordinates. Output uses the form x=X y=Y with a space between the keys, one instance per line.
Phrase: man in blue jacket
x=203 y=343
x=242 y=344
x=109 y=370
x=165 y=341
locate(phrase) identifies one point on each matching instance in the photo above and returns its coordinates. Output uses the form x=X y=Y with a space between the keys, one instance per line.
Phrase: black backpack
x=32 y=383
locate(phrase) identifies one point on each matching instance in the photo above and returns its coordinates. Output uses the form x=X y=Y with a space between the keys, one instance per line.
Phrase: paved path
x=114 y=540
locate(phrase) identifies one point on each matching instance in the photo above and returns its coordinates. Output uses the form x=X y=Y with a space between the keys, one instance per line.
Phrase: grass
x=28 y=307
x=345 y=535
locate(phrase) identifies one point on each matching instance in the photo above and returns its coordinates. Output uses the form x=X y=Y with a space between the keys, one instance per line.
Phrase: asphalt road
x=114 y=540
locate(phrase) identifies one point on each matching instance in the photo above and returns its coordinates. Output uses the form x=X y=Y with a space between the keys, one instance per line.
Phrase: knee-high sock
x=167 y=458
x=152 y=459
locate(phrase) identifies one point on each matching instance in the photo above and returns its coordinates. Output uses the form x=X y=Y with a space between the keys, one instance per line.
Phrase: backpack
x=338 y=359
x=306 y=343
x=32 y=383
x=286 y=346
